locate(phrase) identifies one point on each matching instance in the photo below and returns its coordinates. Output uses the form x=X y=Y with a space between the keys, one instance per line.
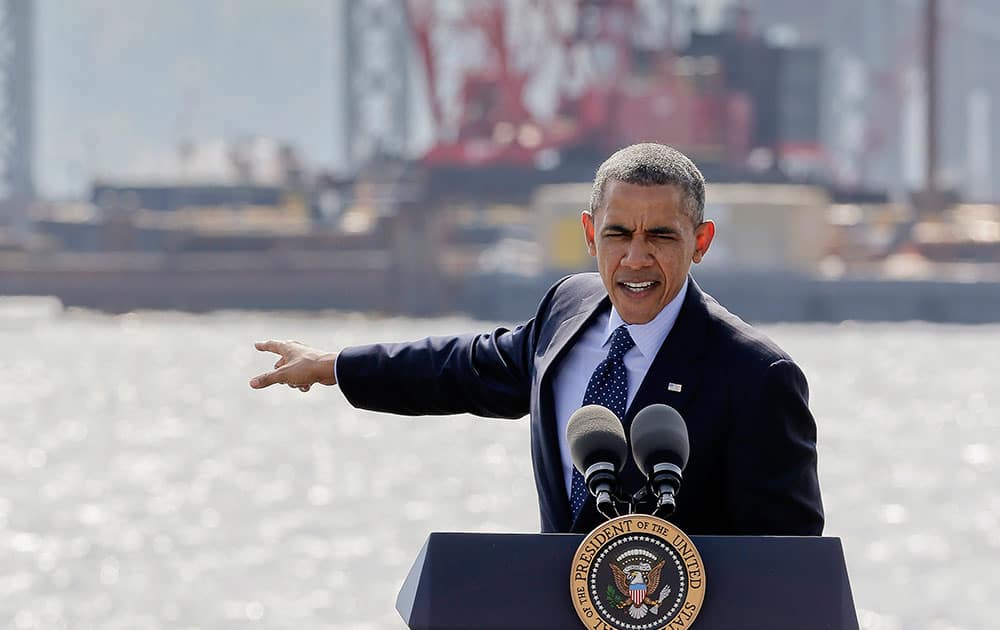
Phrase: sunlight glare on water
x=144 y=485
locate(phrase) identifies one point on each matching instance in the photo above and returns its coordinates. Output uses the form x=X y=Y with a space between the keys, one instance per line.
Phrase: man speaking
x=637 y=333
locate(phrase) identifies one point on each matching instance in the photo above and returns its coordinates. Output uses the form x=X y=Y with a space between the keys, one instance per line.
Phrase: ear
x=588 y=232
x=703 y=235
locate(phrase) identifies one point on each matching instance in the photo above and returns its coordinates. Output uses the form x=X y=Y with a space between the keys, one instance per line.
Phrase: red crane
x=518 y=83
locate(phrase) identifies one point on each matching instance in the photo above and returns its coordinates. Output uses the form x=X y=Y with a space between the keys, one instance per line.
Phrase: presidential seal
x=637 y=572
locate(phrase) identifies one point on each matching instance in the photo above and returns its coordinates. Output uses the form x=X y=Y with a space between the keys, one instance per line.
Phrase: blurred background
x=180 y=180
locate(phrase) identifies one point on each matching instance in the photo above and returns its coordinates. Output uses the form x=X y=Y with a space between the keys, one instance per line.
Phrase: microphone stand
x=657 y=497
x=662 y=485
x=602 y=482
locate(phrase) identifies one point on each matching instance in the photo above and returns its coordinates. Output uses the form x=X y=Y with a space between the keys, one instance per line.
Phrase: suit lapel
x=676 y=365
x=569 y=330
x=565 y=336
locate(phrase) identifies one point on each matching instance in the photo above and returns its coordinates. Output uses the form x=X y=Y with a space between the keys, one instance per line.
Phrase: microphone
x=660 y=448
x=597 y=446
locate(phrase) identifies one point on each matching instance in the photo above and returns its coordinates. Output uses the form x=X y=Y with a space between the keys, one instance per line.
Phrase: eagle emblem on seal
x=635 y=581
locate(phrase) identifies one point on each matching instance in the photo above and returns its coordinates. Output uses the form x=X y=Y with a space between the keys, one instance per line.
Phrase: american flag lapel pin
x=674 y=387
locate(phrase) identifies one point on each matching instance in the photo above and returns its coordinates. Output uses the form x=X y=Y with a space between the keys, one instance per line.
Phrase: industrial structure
x=541 y=91
x=371 y=62
x=836 y=92
x=468 y=132
x=16 y=103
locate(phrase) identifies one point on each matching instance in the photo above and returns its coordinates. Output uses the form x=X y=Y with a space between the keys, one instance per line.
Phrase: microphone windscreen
x=595 y=434
x=659 y=435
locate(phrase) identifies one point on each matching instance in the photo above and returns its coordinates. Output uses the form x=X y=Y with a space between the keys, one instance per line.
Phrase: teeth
x=638 y=286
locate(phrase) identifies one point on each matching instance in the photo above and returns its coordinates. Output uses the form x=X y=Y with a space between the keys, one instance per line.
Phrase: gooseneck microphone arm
x=602 y=482
x=665 y=481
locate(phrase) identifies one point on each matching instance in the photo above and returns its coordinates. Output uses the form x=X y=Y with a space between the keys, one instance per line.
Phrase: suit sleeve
x=774 y=488
x=484 y=374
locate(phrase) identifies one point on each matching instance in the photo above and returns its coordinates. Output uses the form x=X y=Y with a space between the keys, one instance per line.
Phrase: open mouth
x=638 y=288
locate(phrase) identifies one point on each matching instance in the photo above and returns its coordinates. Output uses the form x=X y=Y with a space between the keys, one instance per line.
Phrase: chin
x=638 y=309
x=633 y=318
x=635 y=313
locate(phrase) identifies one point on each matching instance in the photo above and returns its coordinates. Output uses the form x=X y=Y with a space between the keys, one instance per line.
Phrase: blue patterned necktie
x=608 y=387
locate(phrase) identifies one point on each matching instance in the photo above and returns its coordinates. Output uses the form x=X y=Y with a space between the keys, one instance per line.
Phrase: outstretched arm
x=297 y=366
x=483 y=374
x=486 y=375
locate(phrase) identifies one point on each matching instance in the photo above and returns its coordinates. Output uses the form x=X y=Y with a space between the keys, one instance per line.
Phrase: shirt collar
x=650 y=336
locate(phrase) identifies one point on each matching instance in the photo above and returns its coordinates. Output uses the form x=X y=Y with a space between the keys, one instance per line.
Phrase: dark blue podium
x=508 y=581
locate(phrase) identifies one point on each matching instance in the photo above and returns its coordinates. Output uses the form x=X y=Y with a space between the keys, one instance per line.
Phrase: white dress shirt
x=574 y=371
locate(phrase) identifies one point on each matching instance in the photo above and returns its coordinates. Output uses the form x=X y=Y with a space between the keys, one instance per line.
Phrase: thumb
x=266 y=379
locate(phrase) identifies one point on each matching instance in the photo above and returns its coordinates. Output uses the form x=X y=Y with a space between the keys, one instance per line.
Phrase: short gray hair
x=651 y=164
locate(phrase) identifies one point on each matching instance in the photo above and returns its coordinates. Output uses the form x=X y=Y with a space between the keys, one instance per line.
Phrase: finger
x=266 y=379
x=270 y=346
x=304 y=388
x=280 y=362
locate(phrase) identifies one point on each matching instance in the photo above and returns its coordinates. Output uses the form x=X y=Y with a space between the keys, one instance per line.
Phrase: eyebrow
x=664 y=231
x=621 y=229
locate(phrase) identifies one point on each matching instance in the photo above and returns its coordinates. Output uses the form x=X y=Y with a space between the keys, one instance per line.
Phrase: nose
x=638 y=254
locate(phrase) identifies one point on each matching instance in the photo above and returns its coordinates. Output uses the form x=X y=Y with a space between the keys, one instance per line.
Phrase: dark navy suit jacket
x=752 y=469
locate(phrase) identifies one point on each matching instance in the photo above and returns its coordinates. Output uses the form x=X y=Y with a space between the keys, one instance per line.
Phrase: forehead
x=625 y=202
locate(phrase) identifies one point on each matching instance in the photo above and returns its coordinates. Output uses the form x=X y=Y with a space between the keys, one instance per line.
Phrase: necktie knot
x=621 y=342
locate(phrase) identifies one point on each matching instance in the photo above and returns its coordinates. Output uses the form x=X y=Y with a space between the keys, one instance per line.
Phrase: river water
x=143 y=485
